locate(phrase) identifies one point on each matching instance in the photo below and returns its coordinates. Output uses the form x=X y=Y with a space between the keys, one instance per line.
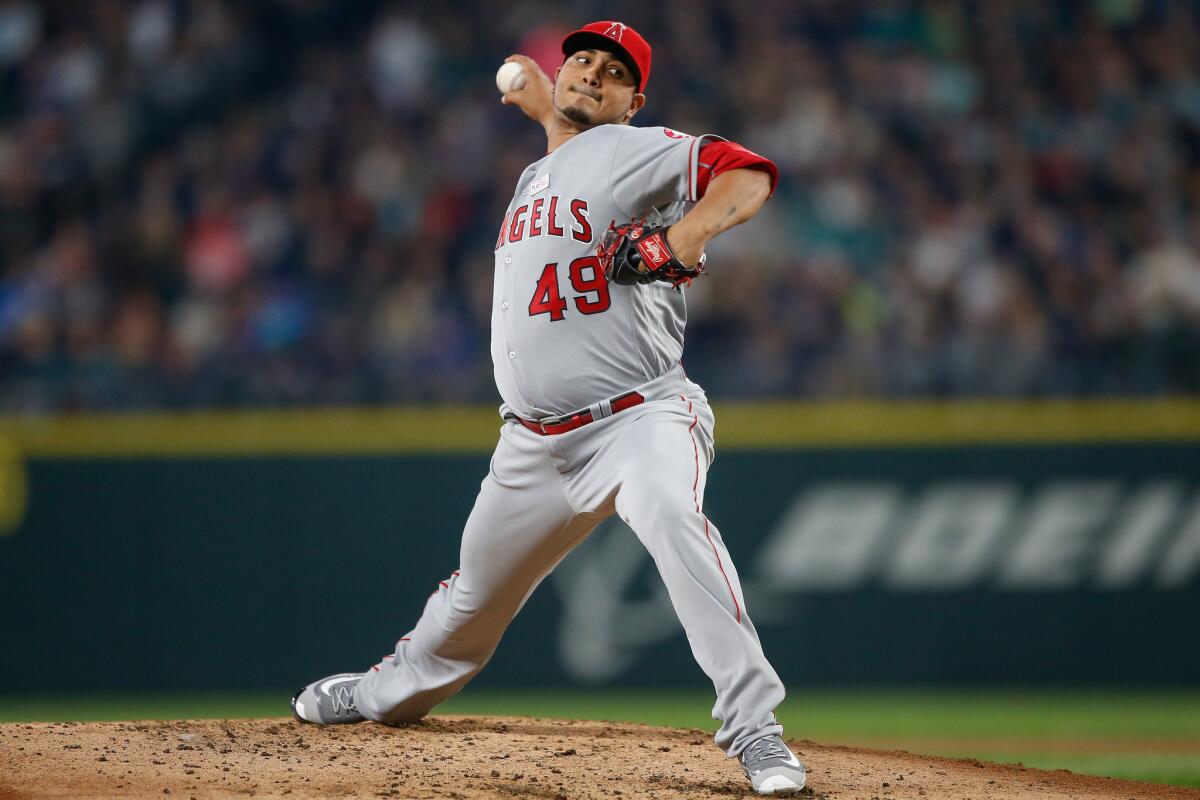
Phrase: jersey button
x=504 y=305
x=512 y=353
x=508 y=259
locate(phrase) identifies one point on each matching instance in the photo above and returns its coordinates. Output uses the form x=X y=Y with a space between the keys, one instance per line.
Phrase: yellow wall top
x=472 y=429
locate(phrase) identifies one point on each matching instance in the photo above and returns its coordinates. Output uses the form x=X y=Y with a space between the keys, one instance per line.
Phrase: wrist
x=685 y=244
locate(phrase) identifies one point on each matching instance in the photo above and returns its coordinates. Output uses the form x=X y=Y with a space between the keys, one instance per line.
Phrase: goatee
x=577 y=115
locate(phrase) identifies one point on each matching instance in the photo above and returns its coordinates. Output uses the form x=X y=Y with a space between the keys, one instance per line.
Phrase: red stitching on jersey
x=405 y=639
x=375 y=668
x=737 y=608
x=696 y=482
x=691 y=196
x=443 y=583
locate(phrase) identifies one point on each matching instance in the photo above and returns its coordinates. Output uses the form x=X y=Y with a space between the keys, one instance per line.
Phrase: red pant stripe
x=737 y=608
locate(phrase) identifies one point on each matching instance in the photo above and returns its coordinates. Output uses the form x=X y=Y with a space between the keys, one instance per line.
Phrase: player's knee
x=650 y=508
x=658 y=488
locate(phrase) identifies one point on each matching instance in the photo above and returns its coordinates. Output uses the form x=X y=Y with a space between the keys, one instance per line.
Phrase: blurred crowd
x=215 y=203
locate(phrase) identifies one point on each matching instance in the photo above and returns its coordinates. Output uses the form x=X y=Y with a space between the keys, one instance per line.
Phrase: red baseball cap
x=613 y=37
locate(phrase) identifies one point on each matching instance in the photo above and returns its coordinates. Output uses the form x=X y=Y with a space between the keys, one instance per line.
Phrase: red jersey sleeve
x=719 y=156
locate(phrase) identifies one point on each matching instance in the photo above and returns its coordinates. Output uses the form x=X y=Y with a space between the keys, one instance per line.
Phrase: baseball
x=510 y=77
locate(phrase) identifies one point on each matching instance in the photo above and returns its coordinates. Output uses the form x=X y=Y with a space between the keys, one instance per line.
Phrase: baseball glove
x=635 y=253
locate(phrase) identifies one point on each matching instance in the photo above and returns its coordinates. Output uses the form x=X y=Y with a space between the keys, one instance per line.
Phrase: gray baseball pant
x=542 y=496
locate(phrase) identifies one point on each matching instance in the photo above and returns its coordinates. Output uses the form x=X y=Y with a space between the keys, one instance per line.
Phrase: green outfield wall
x=915 y=542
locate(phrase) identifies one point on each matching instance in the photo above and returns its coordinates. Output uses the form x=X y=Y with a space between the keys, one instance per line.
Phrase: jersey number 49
x=586 y=278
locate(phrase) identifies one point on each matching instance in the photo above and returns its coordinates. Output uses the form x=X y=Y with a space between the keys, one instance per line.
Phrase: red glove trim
x=718 y=157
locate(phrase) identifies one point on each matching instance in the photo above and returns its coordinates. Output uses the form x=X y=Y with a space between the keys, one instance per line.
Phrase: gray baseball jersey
x=563 y=337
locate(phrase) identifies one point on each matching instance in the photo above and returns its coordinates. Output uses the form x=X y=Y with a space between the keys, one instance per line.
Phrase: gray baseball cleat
x=771 y=767
x=329 y=701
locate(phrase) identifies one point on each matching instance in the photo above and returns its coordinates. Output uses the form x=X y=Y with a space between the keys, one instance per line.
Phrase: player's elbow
x=750 y=188
x=758 y=187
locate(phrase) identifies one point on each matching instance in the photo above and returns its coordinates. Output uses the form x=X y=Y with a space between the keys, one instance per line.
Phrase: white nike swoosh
x=793 y=761
x=324 y=687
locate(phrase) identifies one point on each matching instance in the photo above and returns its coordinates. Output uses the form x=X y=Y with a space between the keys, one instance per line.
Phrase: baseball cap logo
x=615 y=30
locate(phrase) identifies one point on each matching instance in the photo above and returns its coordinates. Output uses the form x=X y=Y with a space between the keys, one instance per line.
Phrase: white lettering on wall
x=953 y=536
x=1182 y=558
x=1049 y=552
x=829 y=537
x=1137 y=535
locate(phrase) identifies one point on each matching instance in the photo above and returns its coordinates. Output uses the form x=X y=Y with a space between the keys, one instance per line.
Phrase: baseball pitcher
x=600 y=241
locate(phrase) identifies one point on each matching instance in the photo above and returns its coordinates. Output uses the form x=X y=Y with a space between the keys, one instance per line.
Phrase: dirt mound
x=476 y=757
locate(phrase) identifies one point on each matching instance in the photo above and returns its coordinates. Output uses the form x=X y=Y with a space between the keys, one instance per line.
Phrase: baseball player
x=601 y=238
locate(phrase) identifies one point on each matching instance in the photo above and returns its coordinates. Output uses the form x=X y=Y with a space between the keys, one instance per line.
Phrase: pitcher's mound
x=476 y=757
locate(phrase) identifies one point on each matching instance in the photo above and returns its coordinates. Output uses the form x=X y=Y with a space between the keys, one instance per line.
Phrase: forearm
x=732 y=198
